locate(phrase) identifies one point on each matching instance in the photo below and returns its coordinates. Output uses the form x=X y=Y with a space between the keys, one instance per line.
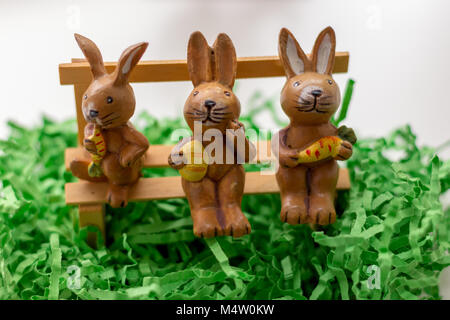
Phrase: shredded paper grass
x=390 y=241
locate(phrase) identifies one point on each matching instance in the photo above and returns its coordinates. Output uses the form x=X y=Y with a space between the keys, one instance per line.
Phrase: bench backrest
x=78 y=74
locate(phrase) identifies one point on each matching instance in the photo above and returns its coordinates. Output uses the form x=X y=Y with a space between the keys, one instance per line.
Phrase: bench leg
x=92 y=215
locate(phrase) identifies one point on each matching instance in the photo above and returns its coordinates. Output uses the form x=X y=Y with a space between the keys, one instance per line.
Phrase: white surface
x=399 y=53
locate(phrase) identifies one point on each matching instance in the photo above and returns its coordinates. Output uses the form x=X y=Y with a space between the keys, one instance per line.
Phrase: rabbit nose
x=209 y=104
x=316 y=93
x=93 y=113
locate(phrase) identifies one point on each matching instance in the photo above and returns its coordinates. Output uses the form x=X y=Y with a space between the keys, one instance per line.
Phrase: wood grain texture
x=86 y=193
x=157 y=155
x=176 y=70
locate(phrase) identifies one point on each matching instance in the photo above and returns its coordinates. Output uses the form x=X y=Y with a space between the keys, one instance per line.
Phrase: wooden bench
x=91 y=197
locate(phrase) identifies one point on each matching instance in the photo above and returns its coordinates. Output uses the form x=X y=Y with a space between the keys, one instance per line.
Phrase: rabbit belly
x=116 y=173
x=218 y=171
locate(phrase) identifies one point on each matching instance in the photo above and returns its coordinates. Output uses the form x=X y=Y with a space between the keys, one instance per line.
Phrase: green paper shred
x=391 y=239
x=55 y=267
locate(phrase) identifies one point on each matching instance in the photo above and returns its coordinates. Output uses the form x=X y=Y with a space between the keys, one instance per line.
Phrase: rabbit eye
x=85 y=97
x=195 y=93
x=296 y=83
x=227 y=93
x=109 y=99
x=330 y=82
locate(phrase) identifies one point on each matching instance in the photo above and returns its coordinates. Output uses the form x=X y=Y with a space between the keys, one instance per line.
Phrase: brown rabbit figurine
x=215 y=199
x=116 y=146
x=310 y=145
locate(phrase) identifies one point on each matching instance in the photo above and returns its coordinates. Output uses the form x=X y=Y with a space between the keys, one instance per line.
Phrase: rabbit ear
x=324 y=51
x=292 y=57
x=127 y=61
x=225 y=60
x=199 y=59
x=92 y=54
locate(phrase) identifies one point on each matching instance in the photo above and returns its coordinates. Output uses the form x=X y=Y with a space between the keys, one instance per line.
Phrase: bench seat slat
x=84 y=192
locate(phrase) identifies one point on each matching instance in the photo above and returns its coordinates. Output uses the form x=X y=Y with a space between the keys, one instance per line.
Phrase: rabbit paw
x=176 y=160
x=294 y=214
x=118 y=196
x=127 y=160
x=89 y=145
x=347 y=134
x=205 y=223
x=237 y=224
x=235 y=125
x=290 y=161
x=345 y=151
x=321 y=210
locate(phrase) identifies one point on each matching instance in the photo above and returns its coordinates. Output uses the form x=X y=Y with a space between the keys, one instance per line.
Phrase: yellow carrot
x=94 y=168
x=326 y=147
x=196 y=167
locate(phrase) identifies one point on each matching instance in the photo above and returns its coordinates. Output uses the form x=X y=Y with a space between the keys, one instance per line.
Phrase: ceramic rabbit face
x=310 y=95
x=109 y=100
x=212 y=71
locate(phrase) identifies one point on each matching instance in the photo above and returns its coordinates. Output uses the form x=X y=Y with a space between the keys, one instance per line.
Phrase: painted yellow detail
x=94 y=168
x=196 y=164
x=326 y=147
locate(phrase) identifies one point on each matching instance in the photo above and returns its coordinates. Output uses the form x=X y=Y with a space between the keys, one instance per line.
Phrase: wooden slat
x=157 y=155
x=176 y=70
x=79 y=90
x=92 y=215
x=170 y=187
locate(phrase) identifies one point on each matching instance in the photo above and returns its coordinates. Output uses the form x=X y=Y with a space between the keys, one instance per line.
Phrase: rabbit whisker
x=195 y=117
x=106 y=116
x=304 y=107
x=218 y=117
x=199 y=111
x=216 y=120
x=303 y=101
x=195 y=113
x=221 y=112
x=212 y=120
x=219 y=109
x=303 y=110
x=107 y=123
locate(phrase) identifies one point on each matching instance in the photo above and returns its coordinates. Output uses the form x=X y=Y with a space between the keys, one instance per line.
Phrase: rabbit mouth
x=311 y=106
x=209 y=122
x=210 y=117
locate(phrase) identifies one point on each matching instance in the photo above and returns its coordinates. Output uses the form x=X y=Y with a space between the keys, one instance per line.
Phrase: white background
x=399 y=53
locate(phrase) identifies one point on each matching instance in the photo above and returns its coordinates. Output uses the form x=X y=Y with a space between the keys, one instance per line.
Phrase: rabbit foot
x=294 y=208
x=205 y=223
x=321 y=210
x=118 y=196
x=237 y=224
x=294 y=214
